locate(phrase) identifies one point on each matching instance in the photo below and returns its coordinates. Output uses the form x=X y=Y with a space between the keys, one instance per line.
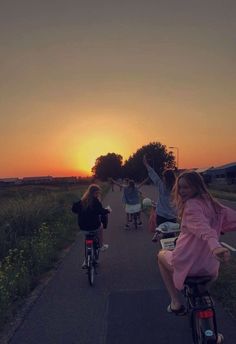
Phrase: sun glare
x=84 y=158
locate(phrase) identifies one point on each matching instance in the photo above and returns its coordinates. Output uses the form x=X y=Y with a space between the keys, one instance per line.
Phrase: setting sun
x=83 y=156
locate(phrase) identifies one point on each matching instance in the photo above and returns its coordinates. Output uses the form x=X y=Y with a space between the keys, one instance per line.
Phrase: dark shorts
x=160 y=220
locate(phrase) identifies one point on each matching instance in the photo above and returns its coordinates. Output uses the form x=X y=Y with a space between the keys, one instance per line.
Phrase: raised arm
x=145 y=162
x=152 y=174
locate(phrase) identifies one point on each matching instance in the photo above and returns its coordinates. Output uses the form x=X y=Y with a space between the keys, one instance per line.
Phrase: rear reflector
x=89 y=242
x=208 y=313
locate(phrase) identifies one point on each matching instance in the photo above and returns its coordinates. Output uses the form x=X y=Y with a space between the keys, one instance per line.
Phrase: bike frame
x=91 y=254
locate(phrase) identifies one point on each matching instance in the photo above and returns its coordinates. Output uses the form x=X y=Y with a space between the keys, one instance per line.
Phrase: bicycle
x=92 y=248
x=200 y=308
x=199 y=304
x=135 y=218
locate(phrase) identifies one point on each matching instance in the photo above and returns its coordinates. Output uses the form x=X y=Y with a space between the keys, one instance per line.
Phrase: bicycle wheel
x=91 y=269
x=196 y=329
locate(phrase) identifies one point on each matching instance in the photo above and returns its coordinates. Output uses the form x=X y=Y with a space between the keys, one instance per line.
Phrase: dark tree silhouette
x=107 y=166
x=157 y=156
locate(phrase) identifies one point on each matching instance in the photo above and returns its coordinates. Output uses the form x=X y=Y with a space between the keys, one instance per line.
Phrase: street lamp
x=177 y=157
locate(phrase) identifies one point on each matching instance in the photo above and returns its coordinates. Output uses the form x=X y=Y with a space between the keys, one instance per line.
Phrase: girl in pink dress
x=198 y=251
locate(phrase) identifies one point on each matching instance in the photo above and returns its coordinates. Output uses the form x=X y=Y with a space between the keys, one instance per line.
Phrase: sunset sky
x=80 y=79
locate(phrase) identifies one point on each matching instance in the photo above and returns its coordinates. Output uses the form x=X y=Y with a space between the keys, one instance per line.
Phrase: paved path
x=127 y=304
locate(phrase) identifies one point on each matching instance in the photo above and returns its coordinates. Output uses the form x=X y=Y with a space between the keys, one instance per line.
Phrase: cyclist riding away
x=91 y=214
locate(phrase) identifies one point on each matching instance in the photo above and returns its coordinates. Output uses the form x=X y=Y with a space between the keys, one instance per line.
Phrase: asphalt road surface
x=127 y=303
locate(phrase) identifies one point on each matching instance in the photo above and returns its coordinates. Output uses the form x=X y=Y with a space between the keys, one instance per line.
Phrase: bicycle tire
x=91 y=270
x=91 y=274
x=196 y=329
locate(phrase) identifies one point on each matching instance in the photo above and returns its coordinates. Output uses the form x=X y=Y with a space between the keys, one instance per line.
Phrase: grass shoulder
x=226 y=192
x=224 y=289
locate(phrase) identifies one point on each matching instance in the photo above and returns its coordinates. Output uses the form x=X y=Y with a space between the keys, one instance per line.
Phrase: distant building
x=66 y=180
x=225 y=174
x=205 y=173
x=37 y=180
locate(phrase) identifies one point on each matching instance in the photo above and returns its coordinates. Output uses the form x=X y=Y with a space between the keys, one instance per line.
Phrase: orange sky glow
x=85 y=81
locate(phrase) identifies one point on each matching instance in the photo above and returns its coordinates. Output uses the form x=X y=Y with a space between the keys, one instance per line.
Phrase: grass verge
x=229 y=196
x=227 y=192
x=224 y=289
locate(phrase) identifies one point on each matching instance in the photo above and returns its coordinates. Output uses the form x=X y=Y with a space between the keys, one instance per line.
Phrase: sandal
x=181 y=311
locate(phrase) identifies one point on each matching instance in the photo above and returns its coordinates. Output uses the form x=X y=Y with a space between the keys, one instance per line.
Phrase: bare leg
x=167 y=276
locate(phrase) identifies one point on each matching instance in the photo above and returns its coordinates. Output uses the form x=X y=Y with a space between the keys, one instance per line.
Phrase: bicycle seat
x=194 y=280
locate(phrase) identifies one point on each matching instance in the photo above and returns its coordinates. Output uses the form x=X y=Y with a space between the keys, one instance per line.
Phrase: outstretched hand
x=222 y=254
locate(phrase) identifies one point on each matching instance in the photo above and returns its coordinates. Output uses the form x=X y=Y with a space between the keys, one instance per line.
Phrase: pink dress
x=200 y=232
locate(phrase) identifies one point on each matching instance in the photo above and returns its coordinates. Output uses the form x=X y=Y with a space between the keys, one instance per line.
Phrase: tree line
x=111 y=164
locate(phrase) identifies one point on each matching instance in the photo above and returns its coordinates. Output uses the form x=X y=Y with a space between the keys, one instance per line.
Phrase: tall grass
x=22 y=217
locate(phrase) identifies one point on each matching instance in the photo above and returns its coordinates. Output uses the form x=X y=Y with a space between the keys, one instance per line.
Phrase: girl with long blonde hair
x=198 y=250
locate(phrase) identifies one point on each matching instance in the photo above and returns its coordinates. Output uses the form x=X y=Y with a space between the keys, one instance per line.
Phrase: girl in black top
x=91 y=214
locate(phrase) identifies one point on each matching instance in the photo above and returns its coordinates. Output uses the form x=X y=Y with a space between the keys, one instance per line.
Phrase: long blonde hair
x=196 y=182
x=88 y=197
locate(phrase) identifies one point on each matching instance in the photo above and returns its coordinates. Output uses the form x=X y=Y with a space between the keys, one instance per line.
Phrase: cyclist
x=165 y=211
x=91 y=214
x=132 y=200
x=197 y=251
